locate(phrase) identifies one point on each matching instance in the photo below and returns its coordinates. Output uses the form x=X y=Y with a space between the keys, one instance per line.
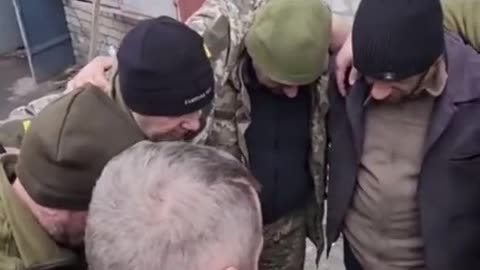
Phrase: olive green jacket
x=24 y=245
x=462 y=17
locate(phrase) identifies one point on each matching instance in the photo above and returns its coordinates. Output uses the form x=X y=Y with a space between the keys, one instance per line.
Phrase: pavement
x=334 y=262
x=13 y=71
x=18 y=88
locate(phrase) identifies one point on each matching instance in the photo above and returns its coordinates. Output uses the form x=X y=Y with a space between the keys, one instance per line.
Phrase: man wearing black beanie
x=164 y=79
x=163 y=82
x=45 y=191
x=405 y=144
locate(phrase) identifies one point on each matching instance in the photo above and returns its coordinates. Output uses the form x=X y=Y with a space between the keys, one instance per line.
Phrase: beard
x=176 y=135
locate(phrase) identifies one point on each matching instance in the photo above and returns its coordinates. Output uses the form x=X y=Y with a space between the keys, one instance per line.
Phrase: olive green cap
x=67 y=146
x=289 y=40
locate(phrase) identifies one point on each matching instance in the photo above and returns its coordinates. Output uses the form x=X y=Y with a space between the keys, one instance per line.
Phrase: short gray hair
x=173 y=206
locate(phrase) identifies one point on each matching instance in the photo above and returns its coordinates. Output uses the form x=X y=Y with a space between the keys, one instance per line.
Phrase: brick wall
x=113 y=24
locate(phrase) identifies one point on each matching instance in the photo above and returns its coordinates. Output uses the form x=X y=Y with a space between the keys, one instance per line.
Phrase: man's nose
x=380 y=91
x=192 y=123
x=290 y=91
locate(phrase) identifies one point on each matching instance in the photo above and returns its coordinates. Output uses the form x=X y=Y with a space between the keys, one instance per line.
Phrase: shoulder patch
x=26 y=125
x=217 y=37
x=207 y=51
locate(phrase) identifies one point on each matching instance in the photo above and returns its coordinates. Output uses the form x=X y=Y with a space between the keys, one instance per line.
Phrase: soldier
x=162 y=103
x=270 y=65
x=269 y=111
x=258 y=47
x=64 y=148
x=46 y=189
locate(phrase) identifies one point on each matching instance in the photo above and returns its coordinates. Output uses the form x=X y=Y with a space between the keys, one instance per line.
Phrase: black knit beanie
x=396 y=39
x=163 y=69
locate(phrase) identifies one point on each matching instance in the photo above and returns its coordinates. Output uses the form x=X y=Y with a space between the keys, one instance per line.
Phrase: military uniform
x=62 y=134
x=23 y=242
x=224 y=25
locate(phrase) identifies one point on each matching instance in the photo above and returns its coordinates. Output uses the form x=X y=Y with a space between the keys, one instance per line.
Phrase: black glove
x=2 y=149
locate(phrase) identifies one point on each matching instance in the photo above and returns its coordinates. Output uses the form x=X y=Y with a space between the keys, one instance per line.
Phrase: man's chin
x=71 y=242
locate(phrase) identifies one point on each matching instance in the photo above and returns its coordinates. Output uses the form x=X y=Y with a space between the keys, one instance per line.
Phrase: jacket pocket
x=464 y=180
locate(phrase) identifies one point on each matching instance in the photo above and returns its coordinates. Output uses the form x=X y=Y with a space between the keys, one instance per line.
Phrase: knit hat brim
x=164 y=69
x=394 y=40
x=67 y=146
x=175 y=100
x=289 y=40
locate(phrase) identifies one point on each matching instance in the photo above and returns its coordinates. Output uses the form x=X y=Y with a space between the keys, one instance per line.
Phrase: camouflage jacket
x=224 y=24
x=13 y=128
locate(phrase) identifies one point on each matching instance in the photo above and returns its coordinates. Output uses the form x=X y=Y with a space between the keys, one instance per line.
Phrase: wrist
x=341 y=30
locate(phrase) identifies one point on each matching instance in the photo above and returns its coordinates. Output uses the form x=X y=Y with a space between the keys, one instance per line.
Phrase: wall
x=118 y=16
x=10 y=38
x=187 y=7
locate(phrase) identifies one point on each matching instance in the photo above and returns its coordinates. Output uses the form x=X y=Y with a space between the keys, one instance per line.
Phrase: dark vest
x=449 y=189
x=278 y=142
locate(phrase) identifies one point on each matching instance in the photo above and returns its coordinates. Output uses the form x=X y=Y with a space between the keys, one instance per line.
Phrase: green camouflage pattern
x=284 y=244
x=13 y=128
x=224 y=25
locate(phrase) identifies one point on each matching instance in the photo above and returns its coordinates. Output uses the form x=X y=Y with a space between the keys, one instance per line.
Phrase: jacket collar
x=461 y=86
x=463 y=76
x=116 y=95
x=35 y=246
x=459 y=89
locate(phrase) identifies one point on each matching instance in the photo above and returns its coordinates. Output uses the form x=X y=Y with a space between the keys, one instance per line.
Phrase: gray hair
x=173 y=206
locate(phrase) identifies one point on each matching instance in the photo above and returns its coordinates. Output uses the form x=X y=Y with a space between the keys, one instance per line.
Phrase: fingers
x=101 y=82
x=106 y=61
x=69 y=88
x=344 y=62
x=340 y=70
x=340 y=76
x=353 y=76
x=93 y=73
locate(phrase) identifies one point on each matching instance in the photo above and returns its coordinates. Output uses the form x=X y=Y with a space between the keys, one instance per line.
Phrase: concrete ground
x=334 y=262
x=17 y=87
x=13 y=71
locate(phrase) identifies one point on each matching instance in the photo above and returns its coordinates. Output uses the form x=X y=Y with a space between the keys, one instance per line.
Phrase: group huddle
x=218 y=143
